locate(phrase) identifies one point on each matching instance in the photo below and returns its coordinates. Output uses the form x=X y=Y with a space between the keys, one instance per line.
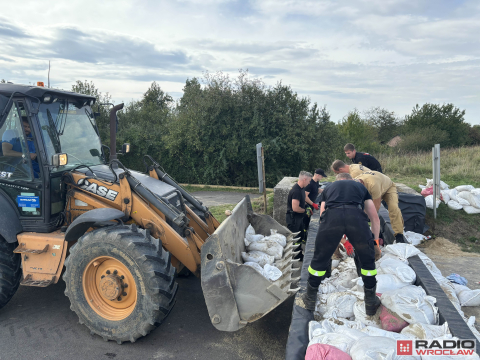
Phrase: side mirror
x=94 y=152
x=125 y=148
x=59 y=160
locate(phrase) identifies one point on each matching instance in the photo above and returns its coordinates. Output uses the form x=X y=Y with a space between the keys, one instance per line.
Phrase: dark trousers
x=295 y=223
x=334 y=223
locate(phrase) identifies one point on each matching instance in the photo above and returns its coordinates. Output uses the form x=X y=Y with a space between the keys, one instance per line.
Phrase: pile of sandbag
x=263 y=251
x=342 y=330
x=465 y=197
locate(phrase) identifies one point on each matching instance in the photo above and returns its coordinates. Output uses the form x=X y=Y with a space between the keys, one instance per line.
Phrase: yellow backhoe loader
x=118 y=236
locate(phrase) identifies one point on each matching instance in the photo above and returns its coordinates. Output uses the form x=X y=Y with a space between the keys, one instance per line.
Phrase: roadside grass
x=193 y=188
x=257 y=205
x=459 y=166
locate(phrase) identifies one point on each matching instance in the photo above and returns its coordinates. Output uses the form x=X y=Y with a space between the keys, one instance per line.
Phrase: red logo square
x=404 y=347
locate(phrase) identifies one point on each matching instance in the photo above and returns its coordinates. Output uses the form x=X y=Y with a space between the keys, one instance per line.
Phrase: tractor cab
x=36 y=124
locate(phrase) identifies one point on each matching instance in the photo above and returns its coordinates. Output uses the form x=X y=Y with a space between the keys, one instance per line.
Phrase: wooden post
x=264 y=184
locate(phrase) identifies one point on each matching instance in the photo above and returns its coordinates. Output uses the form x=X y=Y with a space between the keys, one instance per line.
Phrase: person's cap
x=320 y=172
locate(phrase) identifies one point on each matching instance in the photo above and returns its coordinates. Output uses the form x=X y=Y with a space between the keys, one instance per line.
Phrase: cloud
x=10 y=30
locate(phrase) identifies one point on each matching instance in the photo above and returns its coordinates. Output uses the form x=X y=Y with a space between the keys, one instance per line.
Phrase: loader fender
x=92 y=218
x=10 y=225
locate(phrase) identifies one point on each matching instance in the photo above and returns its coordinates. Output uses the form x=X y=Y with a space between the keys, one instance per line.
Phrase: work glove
x=349 y=249
x=308 y=211
x=315 y=206
x=378 y=251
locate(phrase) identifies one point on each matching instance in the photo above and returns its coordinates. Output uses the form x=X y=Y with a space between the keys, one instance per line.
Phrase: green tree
x=359 y=132
x=473 y=135
x=385 y=122
x=446 y=117
x=3 y=81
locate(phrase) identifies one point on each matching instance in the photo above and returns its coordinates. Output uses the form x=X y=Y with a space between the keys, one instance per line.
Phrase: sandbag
x=386 y=256
x=272 y=273
x=462 y=201
x=269 y=247
x=258 y=257
x=373 y=331
x=390 y=321
x=453 y=194
x=445 y=195
x=464 y=188
x=361 y=315
x=340 y=341
x=458 y=288
x=398 y=268
x=413 y=238
x=385 y=282
x=412 y=304
x=256 y=266
x=429 y=202
x=325 y=352
x=401 y=250
x=436 y=273
x=338 y=305
x=469 y=297
x=476 y=191
x=473 y=200
x=471 y=210
x=375 y=348
x=425 y=331
x=279 y=238
x=427 y=191
x=330 y=325
x=454 y=205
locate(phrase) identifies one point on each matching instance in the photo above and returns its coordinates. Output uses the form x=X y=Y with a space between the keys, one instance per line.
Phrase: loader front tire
x=10 y=271
x=120 y=284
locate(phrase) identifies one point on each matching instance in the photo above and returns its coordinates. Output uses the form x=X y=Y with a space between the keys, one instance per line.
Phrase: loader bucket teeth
x=237 y=294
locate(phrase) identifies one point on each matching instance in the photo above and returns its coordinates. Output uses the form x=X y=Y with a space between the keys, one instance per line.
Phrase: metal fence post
x=262 y=187
x=436 y=176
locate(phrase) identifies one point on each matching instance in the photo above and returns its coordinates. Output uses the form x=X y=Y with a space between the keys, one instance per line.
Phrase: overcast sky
x=344 y=54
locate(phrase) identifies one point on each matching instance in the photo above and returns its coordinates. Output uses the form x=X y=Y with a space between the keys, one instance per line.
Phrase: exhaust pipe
x=113 y=131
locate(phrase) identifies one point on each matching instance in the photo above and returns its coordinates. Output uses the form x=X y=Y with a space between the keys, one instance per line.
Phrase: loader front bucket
x=237 y=294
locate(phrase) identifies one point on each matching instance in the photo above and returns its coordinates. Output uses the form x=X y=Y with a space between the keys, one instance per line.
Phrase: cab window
x=17 y=151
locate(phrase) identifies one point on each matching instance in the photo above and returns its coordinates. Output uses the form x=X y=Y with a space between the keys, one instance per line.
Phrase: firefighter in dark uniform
x=360 y=158
x=312 y=190
x=342 y=212
x=296 y=209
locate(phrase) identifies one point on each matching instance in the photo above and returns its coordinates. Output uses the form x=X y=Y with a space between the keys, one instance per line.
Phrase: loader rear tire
x=10 y=271
x=101 y=263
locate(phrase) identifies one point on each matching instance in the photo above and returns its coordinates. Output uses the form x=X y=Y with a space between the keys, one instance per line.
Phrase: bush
x=422 y=140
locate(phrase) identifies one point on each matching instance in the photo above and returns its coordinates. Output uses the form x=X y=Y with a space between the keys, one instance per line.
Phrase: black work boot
x=310 y=297
x=372 y=302
x=399 y=238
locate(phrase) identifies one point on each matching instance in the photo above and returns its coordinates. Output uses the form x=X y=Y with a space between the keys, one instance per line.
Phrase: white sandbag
x=335 y=263
x=386 y=256
x=353 y=333
x=361 y=315
x=328 y=288
x=412 y=304
x=469 y=297
x=449 y=290
x=445 y=195
x=471 y=324
x=257 y=267
x=401 y=250
x=429 y=202
x=272 y=273
x=473 y=200
x=462 y=201
x=269 y=247
x=464 y=188
x=471 y=210
x=429 y=183
x=330 y=325
x=476 y=191
x=385 y=282
x=425 y=331
x=413 y=238
x=279 y=238
x=453 y=194
x=373 y=331
x=376 y=348
x=422 y=186
x=338 y=305
x=437 y=274
x=250 y=231
x=343 y=278
x=398 y=268
x=443 y=186
x=340 y=341
x=458 y=288
x=259 y=257
x=454 y=205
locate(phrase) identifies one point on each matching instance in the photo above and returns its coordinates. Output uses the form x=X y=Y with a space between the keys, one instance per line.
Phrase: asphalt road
x=38 y=324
